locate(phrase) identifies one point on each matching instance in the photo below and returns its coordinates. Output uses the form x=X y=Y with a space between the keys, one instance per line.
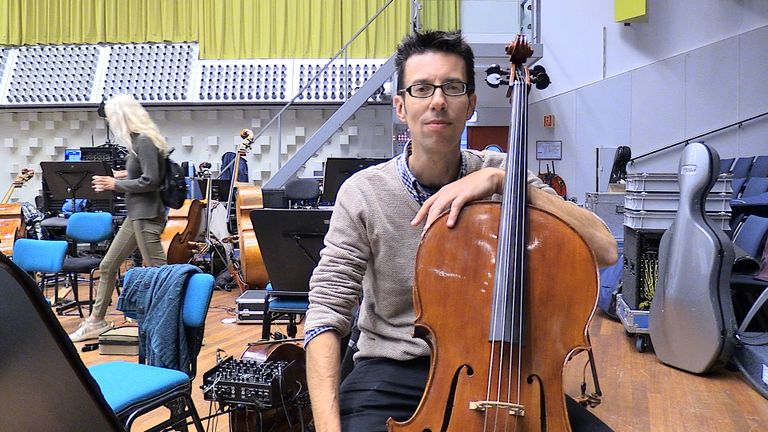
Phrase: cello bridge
x=514 y=409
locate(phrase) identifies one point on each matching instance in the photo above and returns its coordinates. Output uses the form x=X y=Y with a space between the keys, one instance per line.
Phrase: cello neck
x=20 y=179
x=510 y=255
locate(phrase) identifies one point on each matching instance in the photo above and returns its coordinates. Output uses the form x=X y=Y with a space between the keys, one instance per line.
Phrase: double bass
x=249 y=197
x=11 y=221
x=506 y=373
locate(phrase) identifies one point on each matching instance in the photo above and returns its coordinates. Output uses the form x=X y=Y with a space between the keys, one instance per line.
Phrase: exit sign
x=549 y=121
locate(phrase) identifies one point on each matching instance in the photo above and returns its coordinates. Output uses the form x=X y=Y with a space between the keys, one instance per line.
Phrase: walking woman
x=146 y=217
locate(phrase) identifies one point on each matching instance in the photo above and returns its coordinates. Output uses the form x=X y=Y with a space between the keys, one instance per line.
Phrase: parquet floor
x=639 y=393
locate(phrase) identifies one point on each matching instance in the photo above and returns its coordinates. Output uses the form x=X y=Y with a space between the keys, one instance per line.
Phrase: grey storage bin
x=663 y=220
x=667 y=182
x=609 y=206
x=663 y=201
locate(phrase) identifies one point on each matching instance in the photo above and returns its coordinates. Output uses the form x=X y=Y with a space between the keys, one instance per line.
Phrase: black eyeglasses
x=451 y=88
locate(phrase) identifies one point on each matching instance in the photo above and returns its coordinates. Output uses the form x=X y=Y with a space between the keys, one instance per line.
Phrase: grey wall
x=660 y=104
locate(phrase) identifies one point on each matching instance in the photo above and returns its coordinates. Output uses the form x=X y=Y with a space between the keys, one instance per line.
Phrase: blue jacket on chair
x=155 y=294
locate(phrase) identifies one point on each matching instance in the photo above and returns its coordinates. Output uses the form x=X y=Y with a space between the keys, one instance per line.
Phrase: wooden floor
x=639 y=393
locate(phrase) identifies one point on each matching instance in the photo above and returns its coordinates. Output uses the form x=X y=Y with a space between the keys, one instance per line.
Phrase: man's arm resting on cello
x=323 y=370
x=487 y=181
x=586 y=223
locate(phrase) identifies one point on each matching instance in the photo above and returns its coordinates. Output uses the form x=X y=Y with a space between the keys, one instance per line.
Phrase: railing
x=530 y=20
x=314 y=78
x=738 y=123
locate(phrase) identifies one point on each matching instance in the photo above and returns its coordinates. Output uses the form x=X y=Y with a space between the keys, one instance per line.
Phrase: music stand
x=290 y=241
x=219 y=188
x=73 y=179
x=338 y=170
x=46 y=385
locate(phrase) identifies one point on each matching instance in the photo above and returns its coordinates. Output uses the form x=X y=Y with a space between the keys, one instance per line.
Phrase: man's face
x=436 y=122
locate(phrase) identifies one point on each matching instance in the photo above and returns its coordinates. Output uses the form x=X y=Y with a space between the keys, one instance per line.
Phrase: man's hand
x=477 y=185
x=102 y=183
x=119 y=174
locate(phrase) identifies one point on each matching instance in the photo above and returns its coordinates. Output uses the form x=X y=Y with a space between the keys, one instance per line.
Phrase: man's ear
x=472 y=105
x=399 y=102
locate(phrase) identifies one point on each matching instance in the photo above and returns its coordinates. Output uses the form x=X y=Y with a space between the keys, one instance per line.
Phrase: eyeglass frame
x=468 y=89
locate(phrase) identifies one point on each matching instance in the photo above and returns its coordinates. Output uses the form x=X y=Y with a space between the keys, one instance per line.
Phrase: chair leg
x=292 y=329
x=185 y=407
x=90 y=292
x=266 y=322
x=76 y=294
x=66 y=305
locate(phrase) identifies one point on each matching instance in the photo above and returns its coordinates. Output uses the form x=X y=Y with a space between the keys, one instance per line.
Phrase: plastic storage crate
x=644 y=201
x=609 y=206
x=667 y=182
x=645 y=220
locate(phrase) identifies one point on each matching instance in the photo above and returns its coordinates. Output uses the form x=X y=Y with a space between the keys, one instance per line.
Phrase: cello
x=10 y=214
x=280 y=419
x=507 y=372
x=182 y=228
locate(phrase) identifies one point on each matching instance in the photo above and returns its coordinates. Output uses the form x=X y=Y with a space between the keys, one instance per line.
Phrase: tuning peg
x=539 y=77
x=494 y=76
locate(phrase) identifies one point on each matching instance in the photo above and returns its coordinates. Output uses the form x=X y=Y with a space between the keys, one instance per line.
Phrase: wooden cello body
x=279 y=419
x=692 y=323
x=182 y=228
x=11 y=220
x=454 y=274
x=10 y=227
x=528 y=283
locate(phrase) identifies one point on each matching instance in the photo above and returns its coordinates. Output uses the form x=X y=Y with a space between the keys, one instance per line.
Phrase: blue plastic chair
x=736 y=185
x=43 y=256
x=755 y=186
x=133 y=389
x=759 y=167
x=85 y=227
x=725 y=165
x=741 y=167
x=283 y=306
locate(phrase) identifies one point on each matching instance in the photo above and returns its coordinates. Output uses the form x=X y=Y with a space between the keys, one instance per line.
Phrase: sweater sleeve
x=336 y=283
x=151 y=171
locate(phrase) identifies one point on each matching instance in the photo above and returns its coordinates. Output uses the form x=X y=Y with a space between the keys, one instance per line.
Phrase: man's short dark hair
x=435 y=41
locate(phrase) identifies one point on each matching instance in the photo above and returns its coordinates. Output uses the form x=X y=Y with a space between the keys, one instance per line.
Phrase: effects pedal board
x=265 y=385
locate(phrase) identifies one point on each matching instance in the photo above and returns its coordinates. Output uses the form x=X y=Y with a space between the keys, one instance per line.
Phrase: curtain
x=233 y=29
x=225 y=29
x=33 y=22
x=151 y=20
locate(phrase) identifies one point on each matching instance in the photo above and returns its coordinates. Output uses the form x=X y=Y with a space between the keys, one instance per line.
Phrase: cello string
x=522 y=226
x=501 y=281
x=516 y=181
x=519 y=233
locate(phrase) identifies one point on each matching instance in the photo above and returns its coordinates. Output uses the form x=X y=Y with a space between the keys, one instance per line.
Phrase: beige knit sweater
x=370 y=251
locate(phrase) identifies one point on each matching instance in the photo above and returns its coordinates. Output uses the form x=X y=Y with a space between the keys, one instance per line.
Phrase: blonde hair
x=127 y=116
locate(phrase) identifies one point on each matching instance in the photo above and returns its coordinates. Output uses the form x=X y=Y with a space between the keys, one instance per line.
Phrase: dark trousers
x=377 y=389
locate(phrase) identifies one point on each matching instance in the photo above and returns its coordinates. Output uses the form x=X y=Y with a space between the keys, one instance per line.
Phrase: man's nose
x=438 y=101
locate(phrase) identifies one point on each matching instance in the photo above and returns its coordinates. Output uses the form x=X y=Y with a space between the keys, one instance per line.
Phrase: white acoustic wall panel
x=602 y=121
x=658 y=110
x=752 y=66
x=710 y=88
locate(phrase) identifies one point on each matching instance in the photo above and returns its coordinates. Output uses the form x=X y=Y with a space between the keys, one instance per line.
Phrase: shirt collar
x=419 y=192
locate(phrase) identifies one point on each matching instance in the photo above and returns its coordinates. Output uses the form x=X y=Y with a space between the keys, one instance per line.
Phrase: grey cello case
x=691 y=323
